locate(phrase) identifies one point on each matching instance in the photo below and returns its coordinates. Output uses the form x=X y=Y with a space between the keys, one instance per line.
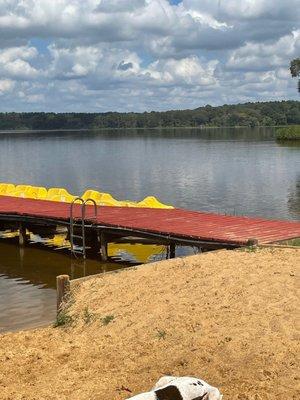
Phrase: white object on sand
x=180 y=388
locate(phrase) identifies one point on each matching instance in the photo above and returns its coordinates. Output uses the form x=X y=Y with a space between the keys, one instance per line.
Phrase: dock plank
x=176 y=222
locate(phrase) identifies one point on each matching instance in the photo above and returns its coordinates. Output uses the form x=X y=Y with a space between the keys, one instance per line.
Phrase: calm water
x=236 y=171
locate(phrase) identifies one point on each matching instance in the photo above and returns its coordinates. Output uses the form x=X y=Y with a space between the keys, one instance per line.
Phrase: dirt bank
x=228 y=317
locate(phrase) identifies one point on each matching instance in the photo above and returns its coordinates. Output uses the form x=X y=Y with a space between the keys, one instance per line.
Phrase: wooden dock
x=166 y=226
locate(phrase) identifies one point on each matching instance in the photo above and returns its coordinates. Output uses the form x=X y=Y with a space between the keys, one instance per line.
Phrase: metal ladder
x=77 y=250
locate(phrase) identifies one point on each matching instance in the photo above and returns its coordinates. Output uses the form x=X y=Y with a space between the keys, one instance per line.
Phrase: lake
x=235 y=171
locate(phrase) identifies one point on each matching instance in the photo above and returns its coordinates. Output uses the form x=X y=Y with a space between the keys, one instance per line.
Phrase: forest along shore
x=228 y=317
x=269 y=113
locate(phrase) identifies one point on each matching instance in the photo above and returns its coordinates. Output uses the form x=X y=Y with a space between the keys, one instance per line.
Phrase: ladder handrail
x=95 y=207
x=83 y=204
x=72 y=223
x=83 y=209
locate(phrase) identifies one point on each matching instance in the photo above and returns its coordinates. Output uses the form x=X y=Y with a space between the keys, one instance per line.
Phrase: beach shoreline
x=228 y=317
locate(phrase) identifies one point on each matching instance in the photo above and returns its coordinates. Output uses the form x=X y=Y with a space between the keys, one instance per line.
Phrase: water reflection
x=244 y=133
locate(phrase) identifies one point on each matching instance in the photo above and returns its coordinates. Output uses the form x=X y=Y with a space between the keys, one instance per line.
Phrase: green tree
x=295 y=70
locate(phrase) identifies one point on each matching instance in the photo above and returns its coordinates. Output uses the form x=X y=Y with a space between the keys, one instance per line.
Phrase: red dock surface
x=168 y=222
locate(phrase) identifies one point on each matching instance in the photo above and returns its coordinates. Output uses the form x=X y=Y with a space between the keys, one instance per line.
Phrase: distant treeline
x=249 y=114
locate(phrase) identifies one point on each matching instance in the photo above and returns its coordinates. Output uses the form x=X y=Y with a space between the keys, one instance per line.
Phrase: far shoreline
x=142 y=129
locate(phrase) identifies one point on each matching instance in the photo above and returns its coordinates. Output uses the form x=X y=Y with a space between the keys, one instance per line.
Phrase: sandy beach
x=229 y=317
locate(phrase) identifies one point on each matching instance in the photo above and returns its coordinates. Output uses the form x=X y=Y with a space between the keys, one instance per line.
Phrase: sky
x=143 y=55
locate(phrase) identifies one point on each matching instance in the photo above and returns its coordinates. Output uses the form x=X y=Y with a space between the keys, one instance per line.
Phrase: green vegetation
x=248 y=249
x=291 y=242
x=87 y=315
x=288 y=133
x=251 y=249
x=107 y=319
x=63 y=319
x=275 y=113
x=161 y=334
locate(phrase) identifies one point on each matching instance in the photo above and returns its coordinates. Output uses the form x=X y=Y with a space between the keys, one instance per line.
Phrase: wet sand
x=229 y=317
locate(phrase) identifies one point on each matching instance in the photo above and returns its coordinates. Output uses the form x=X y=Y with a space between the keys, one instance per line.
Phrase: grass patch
x=161 y=334
x=63 y=319
x=291 y=242
x=107 y=319
x=88 y=316
x=249 y=249
x=288 y=133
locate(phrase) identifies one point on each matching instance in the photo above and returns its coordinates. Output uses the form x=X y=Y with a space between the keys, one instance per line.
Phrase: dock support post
x=22 y=235
x=103 y=246
x=62 y=289
x=94 y=243
x=172 y=250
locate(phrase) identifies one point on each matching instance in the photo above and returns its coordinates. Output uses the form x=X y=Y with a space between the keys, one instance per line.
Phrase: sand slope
x=229 y=317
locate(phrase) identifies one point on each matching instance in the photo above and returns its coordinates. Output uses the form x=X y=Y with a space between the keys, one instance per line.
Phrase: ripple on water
x=23 y=304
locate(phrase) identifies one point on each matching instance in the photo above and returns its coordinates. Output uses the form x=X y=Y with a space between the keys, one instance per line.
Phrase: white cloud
x=15 y=62
x=183 y=72
x=192 y=24
x=99 y=63
x=246 y=9
x=266 y=56
x=6 y=85
x=145 y=54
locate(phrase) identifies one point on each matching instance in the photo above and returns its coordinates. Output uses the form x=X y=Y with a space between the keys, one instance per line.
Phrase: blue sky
x=40 y=44
x=143 y=55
